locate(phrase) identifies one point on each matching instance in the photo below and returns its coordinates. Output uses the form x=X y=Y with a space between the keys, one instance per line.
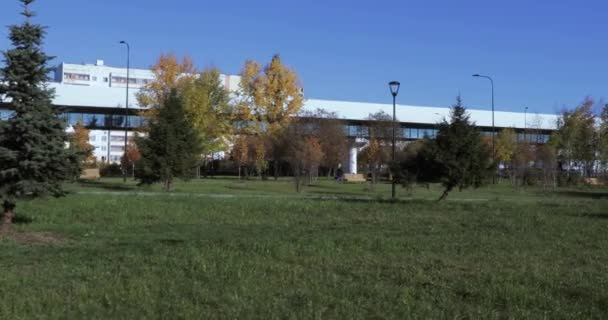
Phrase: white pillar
x=352 y=163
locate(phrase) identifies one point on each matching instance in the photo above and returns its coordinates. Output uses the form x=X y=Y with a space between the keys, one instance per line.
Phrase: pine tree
x=172 y=148
x=463 y=158
x=33 y=157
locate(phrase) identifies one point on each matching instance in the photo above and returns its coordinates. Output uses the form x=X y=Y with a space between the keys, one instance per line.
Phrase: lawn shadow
x=106 y=185
x=21 y=219
x=171 y=242
x=584 y=194
x=591 y=215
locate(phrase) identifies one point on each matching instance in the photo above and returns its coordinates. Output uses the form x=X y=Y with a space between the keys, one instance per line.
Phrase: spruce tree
x=172 y=148
x=463 y=158
x=33 y=158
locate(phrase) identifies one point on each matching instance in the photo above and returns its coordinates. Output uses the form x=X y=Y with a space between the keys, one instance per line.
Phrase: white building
x=94 y=94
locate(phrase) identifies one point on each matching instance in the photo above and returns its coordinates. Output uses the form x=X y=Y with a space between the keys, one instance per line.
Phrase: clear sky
x=543 y=54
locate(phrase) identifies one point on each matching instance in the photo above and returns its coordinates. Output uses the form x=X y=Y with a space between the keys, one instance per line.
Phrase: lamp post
x=394 y=86
x=493 y=128
x=124 y=169
x=526 y=124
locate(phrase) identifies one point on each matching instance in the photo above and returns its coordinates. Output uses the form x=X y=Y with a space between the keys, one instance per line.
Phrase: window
x=104 y=138
x=117 y=138
x=132 y=81
x=117 y=148
x=76 y=76
x=94 y=78
x=103 y=148
x=105 y=79
x=92 y=138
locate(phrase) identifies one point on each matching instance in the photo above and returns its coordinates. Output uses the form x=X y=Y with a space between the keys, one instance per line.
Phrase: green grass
x=218 y=248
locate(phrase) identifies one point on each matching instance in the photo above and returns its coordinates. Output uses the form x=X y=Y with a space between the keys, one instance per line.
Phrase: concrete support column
x=352 y=162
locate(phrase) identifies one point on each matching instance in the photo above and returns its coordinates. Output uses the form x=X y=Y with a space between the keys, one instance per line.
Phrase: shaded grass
x=136 y=257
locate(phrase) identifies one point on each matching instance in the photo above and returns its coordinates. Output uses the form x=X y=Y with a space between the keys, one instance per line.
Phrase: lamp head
x=476 y=75
x=394 y=86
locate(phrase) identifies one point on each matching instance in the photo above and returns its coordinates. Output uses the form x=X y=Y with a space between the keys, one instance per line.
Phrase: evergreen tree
x=463 y=158
x=33 y=157
x=172 y=147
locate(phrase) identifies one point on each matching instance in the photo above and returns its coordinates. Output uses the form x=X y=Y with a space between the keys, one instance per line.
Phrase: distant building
x=94 y=94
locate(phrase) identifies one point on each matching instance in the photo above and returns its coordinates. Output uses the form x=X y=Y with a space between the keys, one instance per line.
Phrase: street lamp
x=493 y=129
x=394 y=86
x=525 y=124
x=124 y=169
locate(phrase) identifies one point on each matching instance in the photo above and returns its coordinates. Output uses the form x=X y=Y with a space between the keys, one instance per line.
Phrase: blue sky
x=542 y=54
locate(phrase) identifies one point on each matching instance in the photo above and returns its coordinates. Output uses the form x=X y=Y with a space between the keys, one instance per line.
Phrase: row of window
x=118 y=121
x=104 y=138
x=70 y=76
x=104 y=120
x=408 y=133
x=421 y=133
x=112 y=148
x=135 y=81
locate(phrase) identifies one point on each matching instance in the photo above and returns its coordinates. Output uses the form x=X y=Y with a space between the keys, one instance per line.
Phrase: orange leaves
x=169 y=73
x=80 y=141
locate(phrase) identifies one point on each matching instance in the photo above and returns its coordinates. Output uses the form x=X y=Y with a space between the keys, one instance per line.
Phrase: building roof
x=432 y=115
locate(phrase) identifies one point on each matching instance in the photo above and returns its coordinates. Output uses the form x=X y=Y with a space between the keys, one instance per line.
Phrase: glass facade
x=103 y=120
x=5 y=114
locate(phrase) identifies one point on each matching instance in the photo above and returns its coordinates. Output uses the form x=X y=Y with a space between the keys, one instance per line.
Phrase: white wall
x=99 y=139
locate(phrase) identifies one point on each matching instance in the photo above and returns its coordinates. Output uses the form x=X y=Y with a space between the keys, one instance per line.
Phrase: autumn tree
x=603 y=138
x=464 y=159
x=506 y=144
x=172 y=148
x=377 y=154
x=520 y=163
x=206 y=102
x=304 y=152
x=79 y=142
x=332 y=139
x=169 y=74
x=33 y=159
x=240 y=152
x=269 y=98
x=131 y=156
x=546 y=161
x=576 y=137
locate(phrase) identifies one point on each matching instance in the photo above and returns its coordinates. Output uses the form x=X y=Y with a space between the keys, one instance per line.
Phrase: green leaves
x=172 y=148
x=463 y=158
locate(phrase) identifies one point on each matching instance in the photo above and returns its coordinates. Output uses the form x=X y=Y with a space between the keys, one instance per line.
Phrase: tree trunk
x=276 y=170
x=445 y=193
x=7 y=218
x=167 y=184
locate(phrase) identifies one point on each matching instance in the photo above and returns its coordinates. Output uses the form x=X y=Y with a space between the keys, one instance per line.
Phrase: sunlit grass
x=267 y=252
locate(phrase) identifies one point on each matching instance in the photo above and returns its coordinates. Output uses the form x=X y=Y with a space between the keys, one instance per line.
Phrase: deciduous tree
x=377 y=154
x=304 y=151
x=269 y=98
x=332 y=139
x=79 y=142
x=576 y=137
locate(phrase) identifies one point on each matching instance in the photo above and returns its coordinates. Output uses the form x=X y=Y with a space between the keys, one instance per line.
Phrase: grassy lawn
x=218 y=248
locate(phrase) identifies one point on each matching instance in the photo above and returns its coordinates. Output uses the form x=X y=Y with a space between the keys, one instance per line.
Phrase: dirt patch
x=35 y=238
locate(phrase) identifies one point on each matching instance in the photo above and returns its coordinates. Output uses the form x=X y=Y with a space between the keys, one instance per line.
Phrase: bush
x=110 y=170
x=568 y=179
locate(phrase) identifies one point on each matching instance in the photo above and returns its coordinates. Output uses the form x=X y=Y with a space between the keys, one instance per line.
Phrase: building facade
x=95 y=95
